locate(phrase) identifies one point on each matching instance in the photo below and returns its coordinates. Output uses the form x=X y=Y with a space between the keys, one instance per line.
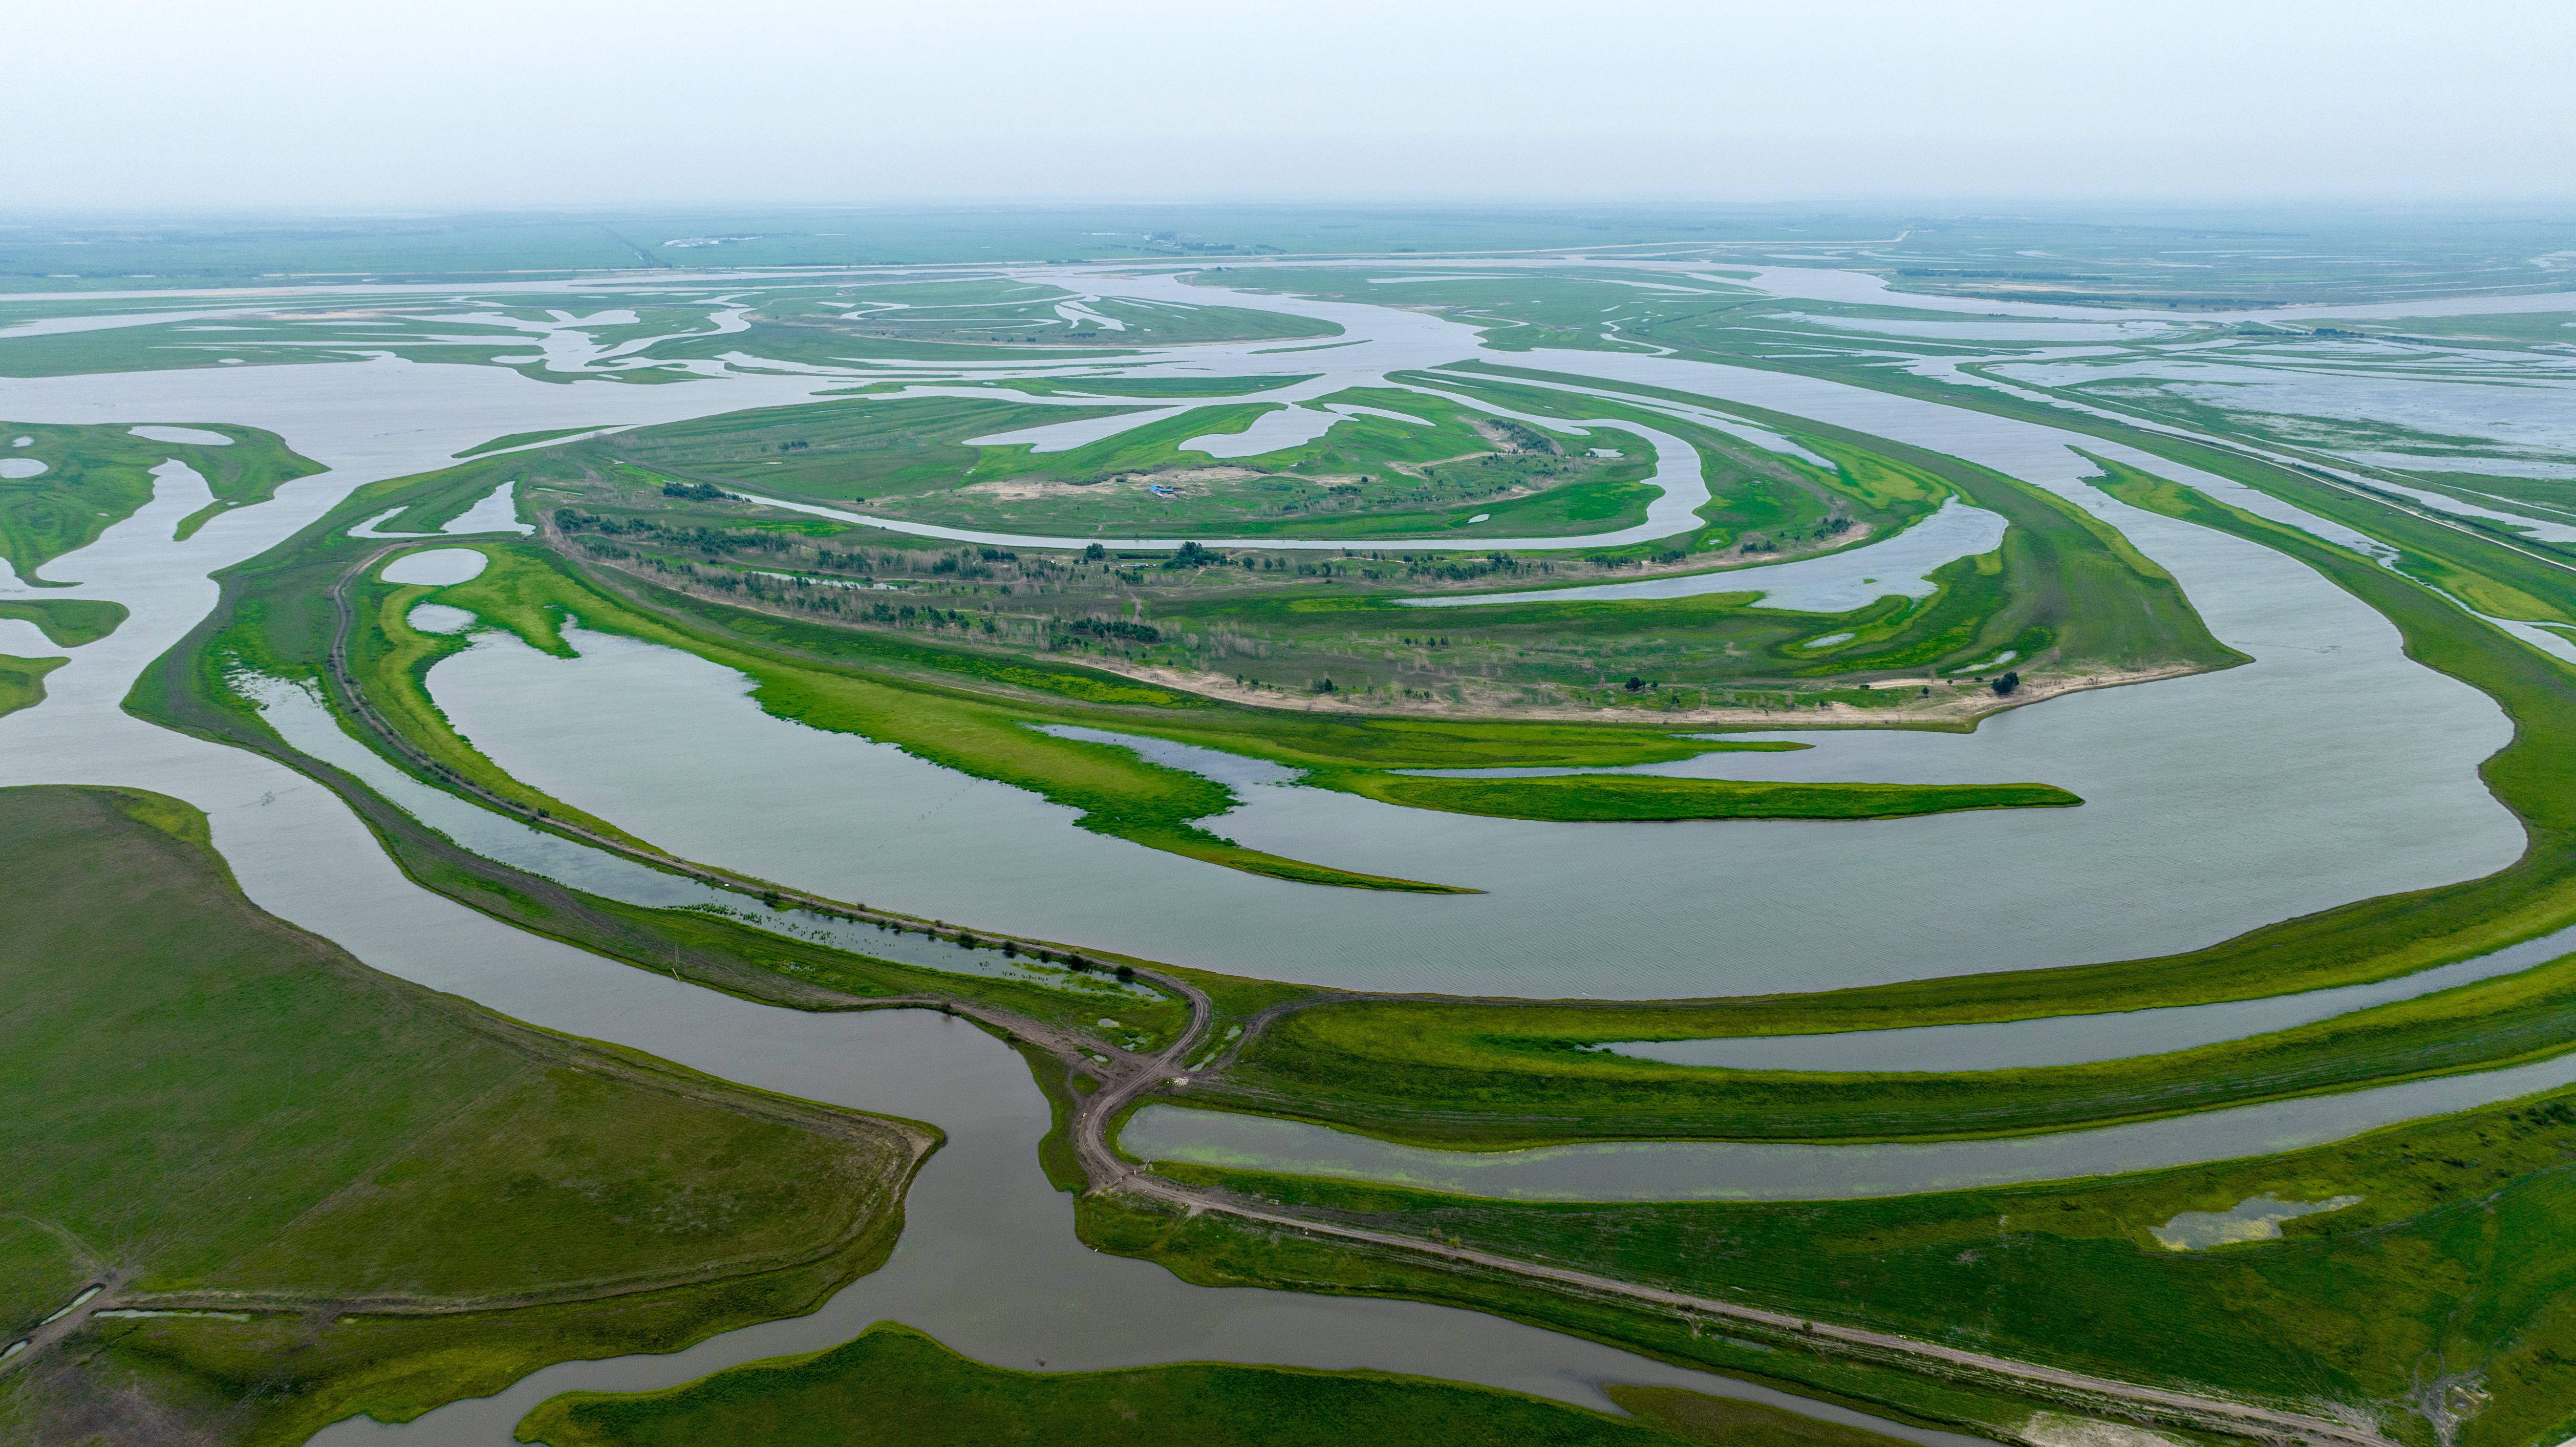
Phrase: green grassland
x=22 y=681
x=97 y=476
x=1631 y=796
x=274 y=341
x=68 y=622
x=894 y=1385
x=1209 y=1248
x=212 y=1109
x=2063 y=592
x=1367 y=477
x=2448 y=1272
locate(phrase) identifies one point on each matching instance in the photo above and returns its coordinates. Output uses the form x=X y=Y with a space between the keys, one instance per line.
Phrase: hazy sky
x=540 y=102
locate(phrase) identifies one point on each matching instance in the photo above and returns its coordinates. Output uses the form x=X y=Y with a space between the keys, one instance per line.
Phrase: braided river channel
x=2331 y=768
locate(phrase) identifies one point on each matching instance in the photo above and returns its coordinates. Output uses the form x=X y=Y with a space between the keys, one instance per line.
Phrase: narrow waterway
x=1761 y=1171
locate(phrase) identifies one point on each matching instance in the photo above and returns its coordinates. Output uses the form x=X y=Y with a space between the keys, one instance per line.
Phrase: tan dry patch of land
x=1949 y=705
x=1186 y=480
x=1024 y=489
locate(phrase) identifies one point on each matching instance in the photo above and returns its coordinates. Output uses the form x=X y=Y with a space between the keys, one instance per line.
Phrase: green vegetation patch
x=1447 y=1073
x=97 y=476
x=1636 y=796
x=346 y=1137
x=68 y=622
x=894 y=1385
x=22 y=681
x=2442 y=1267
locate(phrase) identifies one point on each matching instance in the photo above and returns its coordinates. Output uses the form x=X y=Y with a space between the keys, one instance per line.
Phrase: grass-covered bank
x=68 y=622
x=399 y=1199
x=1489 y=1077
x=893 y=1385
x=22 y=681
x=1213 y=1249
x=97 y=476
x=1646 y=797
x=533 y=593
x=2439 y=1284
x=184 y=690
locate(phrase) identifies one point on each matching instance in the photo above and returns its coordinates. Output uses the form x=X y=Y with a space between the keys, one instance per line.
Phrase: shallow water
x=497 y=512
x=2256 y=1218
x=438 y=567
x=194 y=436
x=439 y=618
x=2531 y=412
x=2541 y=528
x=309 y=729
x=1763 y=1171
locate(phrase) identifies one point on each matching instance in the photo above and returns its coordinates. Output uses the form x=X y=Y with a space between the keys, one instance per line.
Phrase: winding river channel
x=2329 y=769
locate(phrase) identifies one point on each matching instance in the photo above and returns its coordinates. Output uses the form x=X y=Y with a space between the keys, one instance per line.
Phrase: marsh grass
x=224 y=1109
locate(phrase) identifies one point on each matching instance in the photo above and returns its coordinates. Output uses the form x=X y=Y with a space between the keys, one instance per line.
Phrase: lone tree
x=2007 y=684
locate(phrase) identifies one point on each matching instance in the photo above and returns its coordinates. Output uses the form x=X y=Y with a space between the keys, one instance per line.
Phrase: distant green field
x=1016 y=311
x=197 y=251
x=897 y=1387
x=212 y=1107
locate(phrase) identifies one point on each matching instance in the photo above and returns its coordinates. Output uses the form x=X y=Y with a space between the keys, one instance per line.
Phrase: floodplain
x=1041 y=651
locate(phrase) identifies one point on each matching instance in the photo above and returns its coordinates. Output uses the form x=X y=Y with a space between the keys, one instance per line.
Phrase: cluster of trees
x=1114 y=628
x=703 y=539
x=1192 y=555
